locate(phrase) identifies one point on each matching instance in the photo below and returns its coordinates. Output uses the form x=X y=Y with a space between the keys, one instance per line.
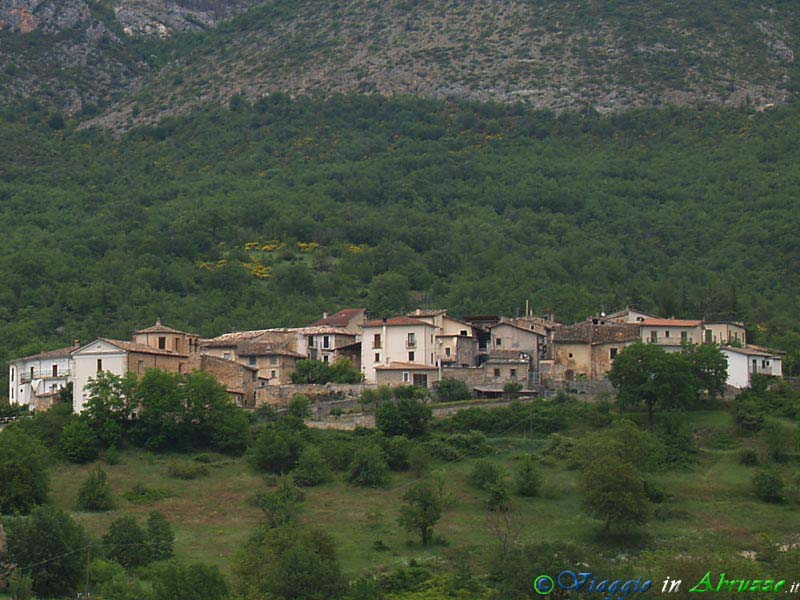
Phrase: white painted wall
x=22 y=387
x=394 y=347
x=84 y=362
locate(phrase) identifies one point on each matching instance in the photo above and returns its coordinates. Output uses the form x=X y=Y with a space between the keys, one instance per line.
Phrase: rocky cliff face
x=553 y=54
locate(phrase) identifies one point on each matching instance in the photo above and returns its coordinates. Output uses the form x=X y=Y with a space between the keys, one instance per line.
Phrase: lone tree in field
x=421 y=511
x=614 y=492
x=647 y=374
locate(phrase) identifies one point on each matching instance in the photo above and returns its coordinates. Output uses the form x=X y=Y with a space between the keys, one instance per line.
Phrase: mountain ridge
x=123 y=63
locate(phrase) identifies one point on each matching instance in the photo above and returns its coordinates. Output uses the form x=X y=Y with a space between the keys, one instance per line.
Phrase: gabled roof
x=159 y=328
x=589 y=333
x=232 y=339
x=404 y=366
x=339 y=319
x=266 y=349
x=515 y=326
x=395 y=322
x=427 y=312
x=140 y=348
x=671 y=323
x=49 y=354
x=626 y=311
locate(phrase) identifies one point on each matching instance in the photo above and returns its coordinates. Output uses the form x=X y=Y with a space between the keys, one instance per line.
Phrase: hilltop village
x=421 y=348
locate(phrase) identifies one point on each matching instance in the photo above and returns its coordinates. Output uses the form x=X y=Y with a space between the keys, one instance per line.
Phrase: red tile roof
x=395 y=321
x=671 y=323
x=339 y=319
x=159 y=328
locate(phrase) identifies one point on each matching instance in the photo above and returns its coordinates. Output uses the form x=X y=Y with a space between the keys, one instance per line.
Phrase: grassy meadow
x=709 y=506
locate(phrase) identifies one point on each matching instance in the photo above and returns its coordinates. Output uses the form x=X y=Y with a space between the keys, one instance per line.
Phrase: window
x=653 y=336
x=162 y=343
x=376 y=341
x=666 y=333
x=612 y=353
x=31 y=372
x=412 y=339
x=177 y=344
x=226 y=355
x=420 y=380
x=463 y=332
x=763 y=364
x=273 y=360
x=253 y=361
x=570 y=354
x=497 y=372
x=326 y=341
x=709 y=335
x=377 y=357
x=99 y=364
x=406 y=377
x=12 y=373
x=410 y=357
x=55 y=370
x=447 y=351
x=498 y=342
x=513 y=373
x=684 y=336
x=311 y=341
x=273 y=374
x=326 y=358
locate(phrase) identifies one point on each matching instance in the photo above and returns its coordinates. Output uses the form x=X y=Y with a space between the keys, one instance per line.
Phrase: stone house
x=506 y=335
x=403 y=373
x=588 y=350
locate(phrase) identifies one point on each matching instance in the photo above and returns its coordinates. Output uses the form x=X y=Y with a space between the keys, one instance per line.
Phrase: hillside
x=137 y=61
x=257 y=215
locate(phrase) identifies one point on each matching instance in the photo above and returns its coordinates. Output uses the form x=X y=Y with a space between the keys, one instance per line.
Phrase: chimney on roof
x=324 y=314
x=158 y=321
x=419 y=311
x=385 y=319
x=76 y=344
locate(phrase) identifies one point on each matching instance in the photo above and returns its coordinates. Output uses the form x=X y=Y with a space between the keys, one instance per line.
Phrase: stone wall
x=281 y=395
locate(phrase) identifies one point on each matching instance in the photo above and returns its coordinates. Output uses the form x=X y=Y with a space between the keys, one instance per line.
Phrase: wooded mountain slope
x=110 y=57
x=266 y=214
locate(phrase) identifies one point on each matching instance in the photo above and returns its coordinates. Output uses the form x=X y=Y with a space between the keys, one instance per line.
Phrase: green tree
x=710 y=368
x=527 y=477
x=109 y=405
x=95 y=493
x=388 y=294
x=452 y=390
x=421 y=510
x=177 y=581
x=49 y=546
x=311 y=468
x=290 y=563
x=23 y=474
x=368 y=467
x=768 y=485
x=646 y=373
x=406 y=416
x=126 y=542
x=282 y=506
x=344 y=371
x=276 y=450
x=485 y=474
x=160 y=537
x=614 y=491
x=79 y=442
x=162 y=420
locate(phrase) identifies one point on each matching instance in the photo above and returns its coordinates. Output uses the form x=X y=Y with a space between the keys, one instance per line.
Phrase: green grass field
x=711 y=506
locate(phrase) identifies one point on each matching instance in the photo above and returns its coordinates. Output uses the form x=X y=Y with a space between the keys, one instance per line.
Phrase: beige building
x=397 y=340
x=456 y=340
x=273 y=362
x=588 y=350
x=336 y=336
x=508 y=336
x=671 y=334
x=626 y=315
x=725 y=334
x=399 y=373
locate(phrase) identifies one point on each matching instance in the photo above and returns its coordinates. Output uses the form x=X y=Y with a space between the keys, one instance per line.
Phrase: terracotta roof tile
x=50 y=354
x=671 y=323
x=339 y=319
x=396 y=321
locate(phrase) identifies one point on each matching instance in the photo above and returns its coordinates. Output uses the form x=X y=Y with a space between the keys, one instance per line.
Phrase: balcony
x=27 y=376
x=411 y=343
x=669 y=341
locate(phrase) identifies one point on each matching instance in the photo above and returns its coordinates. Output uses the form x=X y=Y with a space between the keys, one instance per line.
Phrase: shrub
x=160 y=538
x=141 y=494
x=95 y=493
x=676 y=434
x=768 y=485
x=276 y=450
x=407 y=416
x=421 y=510
x=396 y=450
x=419 y=461
x=281 y=506
x=559 y=446
x=79 y=442
x=441 y=449
x=748 y=457
x=527 y=478
x=176 y=581
x=186 y=470
x=614 y=491
x=747 y=415
x=485 y=473
x=126 y=542
x=778 y=440
x=452 y=390
x=499 y=498
x=369 y=467
x=338 y=453
x=311 y=468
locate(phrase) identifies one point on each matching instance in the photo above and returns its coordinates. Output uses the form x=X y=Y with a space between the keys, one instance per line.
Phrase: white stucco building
x=397 y=340
x=745 y=362
x=34 y=381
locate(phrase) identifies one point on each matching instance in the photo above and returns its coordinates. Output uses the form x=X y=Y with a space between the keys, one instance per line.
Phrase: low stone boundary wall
x=281 y=395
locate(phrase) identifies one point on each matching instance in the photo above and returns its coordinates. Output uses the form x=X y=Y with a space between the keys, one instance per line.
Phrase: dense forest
x=264 y=213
